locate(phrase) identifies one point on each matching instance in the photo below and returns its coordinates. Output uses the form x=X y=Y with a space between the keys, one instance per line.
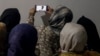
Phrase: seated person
x=73 y=39
x=48 y=37
x=22 y=40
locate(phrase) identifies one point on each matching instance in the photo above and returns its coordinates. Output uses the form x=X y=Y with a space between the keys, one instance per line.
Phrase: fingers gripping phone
x=41 y=8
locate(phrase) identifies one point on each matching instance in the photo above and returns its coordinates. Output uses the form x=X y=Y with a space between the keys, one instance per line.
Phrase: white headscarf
x=73 y=38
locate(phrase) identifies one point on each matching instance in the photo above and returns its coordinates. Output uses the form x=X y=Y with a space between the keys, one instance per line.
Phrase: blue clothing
x=22 y=40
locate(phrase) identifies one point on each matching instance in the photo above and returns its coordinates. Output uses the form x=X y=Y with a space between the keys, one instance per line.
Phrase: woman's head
x=11 y=17
x=22 y=40
x=73 y=38
x=60 y=17
x=92 y=33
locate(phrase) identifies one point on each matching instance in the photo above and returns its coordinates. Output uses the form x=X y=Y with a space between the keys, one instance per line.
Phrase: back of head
x=60 y=17
x=2 y=38
x=73 y=38
x=22 y=40
x=10 y=17
x=92 y=33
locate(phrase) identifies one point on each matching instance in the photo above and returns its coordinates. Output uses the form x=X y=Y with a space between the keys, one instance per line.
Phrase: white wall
x=89 y=8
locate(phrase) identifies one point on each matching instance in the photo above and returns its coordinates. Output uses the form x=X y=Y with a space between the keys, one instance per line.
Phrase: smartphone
x=41 y=8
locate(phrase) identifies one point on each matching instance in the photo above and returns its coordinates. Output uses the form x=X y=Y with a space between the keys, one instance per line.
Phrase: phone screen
x=41 y=8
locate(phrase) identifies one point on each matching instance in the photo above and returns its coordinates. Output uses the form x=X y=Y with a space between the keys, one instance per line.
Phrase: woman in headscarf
x=48 y=41
x=11 y=17
x=2 y=38
x=73 y=39
x=92 y=33
x=22 y=40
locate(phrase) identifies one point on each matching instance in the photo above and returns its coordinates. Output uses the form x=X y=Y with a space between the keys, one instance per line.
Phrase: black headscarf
x=93 y=42
x=11 y=17
x=22 y=40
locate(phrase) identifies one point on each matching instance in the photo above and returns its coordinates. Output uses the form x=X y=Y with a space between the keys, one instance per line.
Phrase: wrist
x=31 y=19
x=32 y=14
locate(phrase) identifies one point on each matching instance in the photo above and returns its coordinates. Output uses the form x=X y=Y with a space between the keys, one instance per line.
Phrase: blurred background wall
x=88 y=8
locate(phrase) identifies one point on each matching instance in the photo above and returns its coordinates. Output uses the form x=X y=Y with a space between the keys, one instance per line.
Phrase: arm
x=31 y=16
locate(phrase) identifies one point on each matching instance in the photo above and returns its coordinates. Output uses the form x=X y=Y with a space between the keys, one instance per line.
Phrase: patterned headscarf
x=22 y=40
x=10 y=17
x=59 y=18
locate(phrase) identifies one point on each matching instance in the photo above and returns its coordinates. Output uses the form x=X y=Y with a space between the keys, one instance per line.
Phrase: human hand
x=49 y=10
x=32 y=12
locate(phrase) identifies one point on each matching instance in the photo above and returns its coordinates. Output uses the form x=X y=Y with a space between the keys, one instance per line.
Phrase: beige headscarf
x=2 y=37
x=73 y=38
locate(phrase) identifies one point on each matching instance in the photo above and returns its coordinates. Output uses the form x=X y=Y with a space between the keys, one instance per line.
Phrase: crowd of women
x=60 y=38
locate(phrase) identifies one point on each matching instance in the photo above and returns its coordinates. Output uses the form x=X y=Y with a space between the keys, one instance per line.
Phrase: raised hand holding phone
x=49 y=10
x=32 y=11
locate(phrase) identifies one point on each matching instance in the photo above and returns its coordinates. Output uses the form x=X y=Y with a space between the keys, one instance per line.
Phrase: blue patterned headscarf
x=22 y=40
